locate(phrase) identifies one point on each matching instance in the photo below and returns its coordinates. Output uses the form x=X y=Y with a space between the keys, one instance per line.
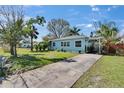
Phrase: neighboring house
x=122 y=40
x=25 y=44
x=78 y=44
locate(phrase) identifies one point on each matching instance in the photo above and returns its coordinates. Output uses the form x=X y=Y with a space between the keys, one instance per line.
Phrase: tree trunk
x=11 y=49
x=15 y=51
x=31 y=43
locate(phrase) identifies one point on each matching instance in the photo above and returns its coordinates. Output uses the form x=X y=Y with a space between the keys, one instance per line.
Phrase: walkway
x=57 y=75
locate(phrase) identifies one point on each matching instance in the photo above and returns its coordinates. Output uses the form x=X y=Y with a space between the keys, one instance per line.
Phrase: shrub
x=45 y=45
x=40 y=47
x=36 y=47
x=120 y=49
x=114 y=49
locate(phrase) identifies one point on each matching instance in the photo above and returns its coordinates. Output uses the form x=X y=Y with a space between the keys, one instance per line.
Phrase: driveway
x=57 y=75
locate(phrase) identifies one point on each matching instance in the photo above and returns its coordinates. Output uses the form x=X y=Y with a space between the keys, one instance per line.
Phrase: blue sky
x=81 y=16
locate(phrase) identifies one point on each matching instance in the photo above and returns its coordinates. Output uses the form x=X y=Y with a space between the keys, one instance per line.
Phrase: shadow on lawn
x=36 y=54
x=54 y=59
x=25 y=63
x=28 y=62
x=64 y=59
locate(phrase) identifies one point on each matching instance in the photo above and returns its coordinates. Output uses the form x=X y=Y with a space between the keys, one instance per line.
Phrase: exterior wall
x=25 y=43
x=72 y=47
x=88 y=44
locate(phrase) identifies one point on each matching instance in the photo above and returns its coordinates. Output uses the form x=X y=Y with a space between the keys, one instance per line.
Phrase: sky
x=81 y=16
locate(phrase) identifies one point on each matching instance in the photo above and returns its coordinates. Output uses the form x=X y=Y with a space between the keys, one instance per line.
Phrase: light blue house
x=78 y=44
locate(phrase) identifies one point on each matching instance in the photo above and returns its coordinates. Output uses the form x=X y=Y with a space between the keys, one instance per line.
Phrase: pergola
x=98 y=39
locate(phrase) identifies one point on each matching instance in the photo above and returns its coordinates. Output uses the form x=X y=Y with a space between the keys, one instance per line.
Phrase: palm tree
x=33 y=34
x=11 y=27
x=32 y=31
x=74 y=31
x=108 y=31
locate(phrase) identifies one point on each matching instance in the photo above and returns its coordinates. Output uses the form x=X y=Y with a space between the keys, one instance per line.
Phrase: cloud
x=95 y=9
x=80 y=25
x=84 y=25
x=109 y=9
x=86 y=28
x=89 y=25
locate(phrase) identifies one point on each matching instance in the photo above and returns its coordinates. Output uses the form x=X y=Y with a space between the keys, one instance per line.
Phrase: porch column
x=99 y=46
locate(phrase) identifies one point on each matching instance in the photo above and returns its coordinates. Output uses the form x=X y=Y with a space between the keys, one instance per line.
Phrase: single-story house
x=78 y=44
x=25 y=44
x=122 y=40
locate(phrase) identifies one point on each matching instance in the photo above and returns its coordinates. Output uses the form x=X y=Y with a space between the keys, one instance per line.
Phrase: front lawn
x=107 y=72
x=28 y=60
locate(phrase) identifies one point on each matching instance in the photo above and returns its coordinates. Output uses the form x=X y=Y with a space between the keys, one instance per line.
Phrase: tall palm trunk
x=31 y=43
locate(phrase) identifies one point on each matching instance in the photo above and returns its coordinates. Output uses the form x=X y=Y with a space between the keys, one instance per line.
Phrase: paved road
x=57 y=75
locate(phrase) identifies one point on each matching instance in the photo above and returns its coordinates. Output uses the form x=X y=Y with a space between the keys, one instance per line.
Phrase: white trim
x=70 y=38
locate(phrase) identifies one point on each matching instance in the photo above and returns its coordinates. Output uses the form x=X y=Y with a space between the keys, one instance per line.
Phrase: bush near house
x=114 y=49
x=42 y=46
x=120 y=49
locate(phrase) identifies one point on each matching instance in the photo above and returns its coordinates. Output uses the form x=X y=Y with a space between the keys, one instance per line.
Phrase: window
x=54 y=43
x=64 y=43
x=61 y=43
x=77 y=43
x=68 y=44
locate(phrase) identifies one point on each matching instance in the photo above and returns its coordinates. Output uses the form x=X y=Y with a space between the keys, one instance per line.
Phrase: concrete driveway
x=57 y=75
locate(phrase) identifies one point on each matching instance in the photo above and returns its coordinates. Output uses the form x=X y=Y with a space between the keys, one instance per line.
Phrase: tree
x=74 y=31
x=36 y=47
x=58 y=27
x=108 y=31
x=48 y=37
x=11 y=26
x=31 y=29
x=45 y=45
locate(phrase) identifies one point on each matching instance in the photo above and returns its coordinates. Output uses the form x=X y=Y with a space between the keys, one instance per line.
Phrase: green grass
x=28 y=60
x=2 y=53
x=107 y=72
